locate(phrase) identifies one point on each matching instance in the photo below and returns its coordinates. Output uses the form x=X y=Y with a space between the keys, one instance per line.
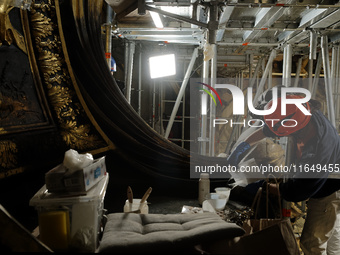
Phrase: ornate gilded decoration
x=42 y=112
x=57 y=80
x=77 y=135
x=8 y=34
x=8 y=150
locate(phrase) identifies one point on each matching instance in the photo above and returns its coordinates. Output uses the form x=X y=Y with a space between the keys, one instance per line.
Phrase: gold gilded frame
x=56 y=70
x=59 y=93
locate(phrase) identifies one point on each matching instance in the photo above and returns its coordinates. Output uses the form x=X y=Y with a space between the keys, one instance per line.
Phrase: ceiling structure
x=243 y=30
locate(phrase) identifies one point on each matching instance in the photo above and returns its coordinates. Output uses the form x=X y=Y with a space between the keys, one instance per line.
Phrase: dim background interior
x=247 y=32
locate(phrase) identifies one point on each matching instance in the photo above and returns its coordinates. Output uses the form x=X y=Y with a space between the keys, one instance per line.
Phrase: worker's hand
x=234 y=157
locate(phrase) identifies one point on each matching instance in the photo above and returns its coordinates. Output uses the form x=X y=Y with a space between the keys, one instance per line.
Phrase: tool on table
x=130 y=194
x=146 y=195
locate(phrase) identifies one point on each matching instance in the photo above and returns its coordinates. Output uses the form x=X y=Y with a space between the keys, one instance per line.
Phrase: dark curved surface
x=137 y=143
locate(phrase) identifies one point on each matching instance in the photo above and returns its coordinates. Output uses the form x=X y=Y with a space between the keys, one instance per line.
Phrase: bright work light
x=161 y=66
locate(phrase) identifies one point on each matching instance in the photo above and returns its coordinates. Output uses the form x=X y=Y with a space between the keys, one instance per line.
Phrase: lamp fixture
x=163 y=65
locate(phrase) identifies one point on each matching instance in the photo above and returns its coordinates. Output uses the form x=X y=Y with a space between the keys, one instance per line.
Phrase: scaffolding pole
x=153 y=104
x=212 y=106
x=254 y=76
x=286 y=142
x=131 y=52
x=181 y=93
x=242 y=81
x=287 y=65
x=140 y=81
x=251 y=60
x=298 y=71
x=337 y=86
x=126 y=62
x=108 y=36
x=313 y=40
x=204 y=99
x=310 y=74
x=315 y=84
x=270 y=77
x=328 y=79
x=334 y=68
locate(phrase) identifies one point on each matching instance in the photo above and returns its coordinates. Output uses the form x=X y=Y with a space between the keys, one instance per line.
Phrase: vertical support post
x=310 y=75
x=126 y=61
x=334 y=67
x=337 y=86
x=108 y=36
x=288 y=144
x=313 y=39
x=328 y=79
x=315 y=85
x=297 y=72
x=285 y=142
x=212 y=106
x=141 y=7
x=263 y=66
x=183 y=121
x=251 y=60
x=161 y=109
x=242 y=85
x=213 y=22
x=270 y=76
x=239 y=80
x=181 y=92
x=204 y=119
x=212 y=32
x=254 y=76
x=284 y=68
x=160 y=129
x=130 y=71
x=153 y=104
x=287 y=65
x=140 y=80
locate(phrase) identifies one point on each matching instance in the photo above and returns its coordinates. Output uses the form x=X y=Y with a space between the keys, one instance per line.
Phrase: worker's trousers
x=321 y=232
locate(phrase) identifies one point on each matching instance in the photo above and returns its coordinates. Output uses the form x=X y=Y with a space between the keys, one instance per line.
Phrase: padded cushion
x=141 y=233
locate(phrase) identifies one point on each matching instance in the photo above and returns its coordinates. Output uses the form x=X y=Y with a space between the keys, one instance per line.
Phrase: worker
x=317 y=145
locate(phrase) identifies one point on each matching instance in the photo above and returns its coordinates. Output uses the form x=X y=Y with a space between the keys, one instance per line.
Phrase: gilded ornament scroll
x=41 y=111
x=76 y=133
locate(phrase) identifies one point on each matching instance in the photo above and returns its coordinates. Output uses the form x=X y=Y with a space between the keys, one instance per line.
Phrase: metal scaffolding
x=181 y=92
x=213 y=75
x=129 y=56
x=203 y=139
x=328 y=79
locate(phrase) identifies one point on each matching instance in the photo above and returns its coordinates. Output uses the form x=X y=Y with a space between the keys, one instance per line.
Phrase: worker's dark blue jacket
x=323 y=150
